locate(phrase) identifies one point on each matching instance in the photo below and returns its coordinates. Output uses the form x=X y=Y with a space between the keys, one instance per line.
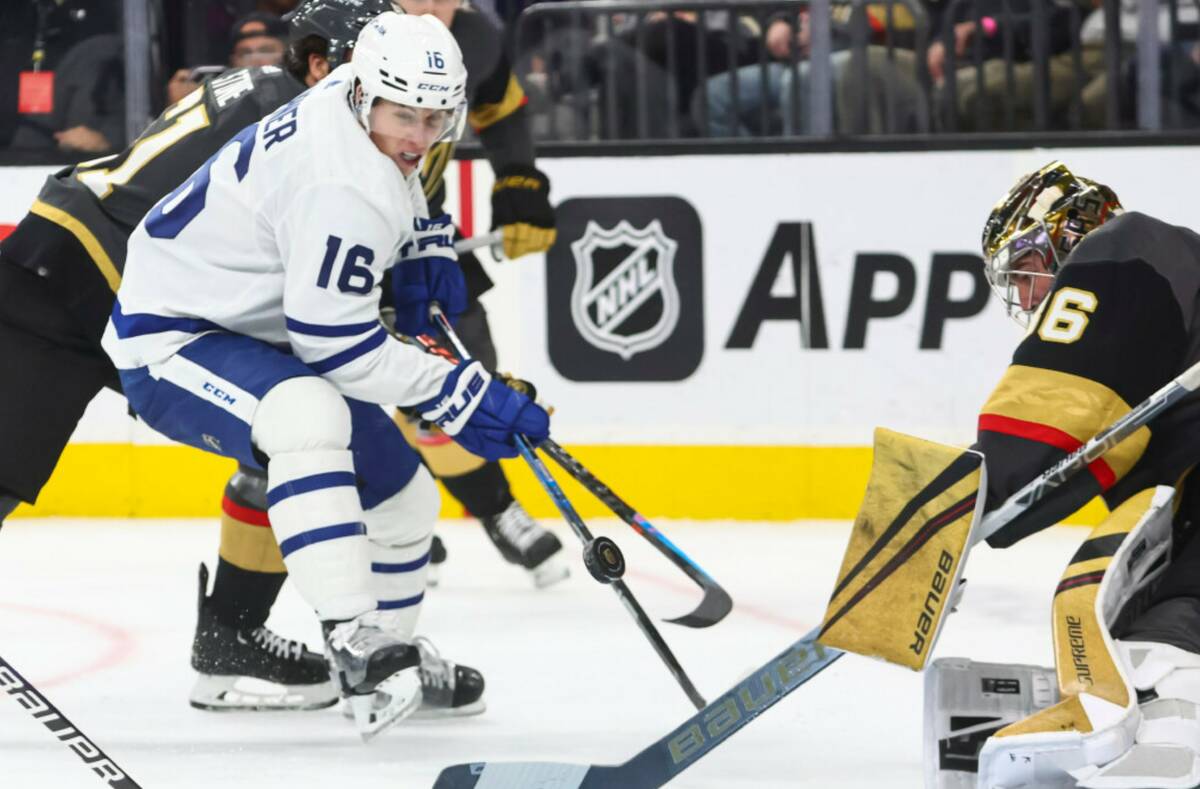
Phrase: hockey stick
x=604 y=561
x=475 y=242
x=601 y=555
x=45 y=713
x=802 y=661
x=672 y=754
x=1043 y=485
x=716 y=603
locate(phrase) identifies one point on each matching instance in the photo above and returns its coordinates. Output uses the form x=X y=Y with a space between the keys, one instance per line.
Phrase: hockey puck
x=604 y=560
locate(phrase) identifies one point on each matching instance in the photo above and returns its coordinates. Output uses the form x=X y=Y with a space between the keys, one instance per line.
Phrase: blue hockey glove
x=427 y=270
x=483 y=415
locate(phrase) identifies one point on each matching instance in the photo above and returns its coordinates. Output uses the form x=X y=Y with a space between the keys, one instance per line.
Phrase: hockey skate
x=229 y=661
x=378 y=674
x=448 y=689
x=521 y=541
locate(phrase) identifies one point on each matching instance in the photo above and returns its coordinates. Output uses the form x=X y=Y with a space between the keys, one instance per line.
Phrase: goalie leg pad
x=966 y=702
x=1098 y=717
x=1167 y=753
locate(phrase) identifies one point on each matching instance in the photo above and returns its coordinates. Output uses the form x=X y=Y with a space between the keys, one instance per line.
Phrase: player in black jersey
x=1109 y=298
x=521 y=208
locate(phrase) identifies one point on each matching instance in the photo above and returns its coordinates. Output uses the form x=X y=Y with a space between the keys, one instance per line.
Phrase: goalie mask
x=415 y=62
x=1031 y=231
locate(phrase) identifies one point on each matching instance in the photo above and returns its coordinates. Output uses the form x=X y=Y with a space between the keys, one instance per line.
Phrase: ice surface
x=99 y=616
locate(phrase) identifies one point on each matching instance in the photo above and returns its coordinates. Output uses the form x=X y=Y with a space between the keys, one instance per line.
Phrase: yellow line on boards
x=759 y=483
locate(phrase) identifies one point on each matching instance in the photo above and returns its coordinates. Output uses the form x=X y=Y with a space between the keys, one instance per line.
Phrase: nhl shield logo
x=625 y=299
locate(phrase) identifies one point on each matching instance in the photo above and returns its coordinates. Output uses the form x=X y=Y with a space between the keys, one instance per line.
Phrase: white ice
x=99 y=616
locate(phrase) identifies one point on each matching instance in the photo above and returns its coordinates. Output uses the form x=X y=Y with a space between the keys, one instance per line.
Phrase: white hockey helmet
x=414 y=61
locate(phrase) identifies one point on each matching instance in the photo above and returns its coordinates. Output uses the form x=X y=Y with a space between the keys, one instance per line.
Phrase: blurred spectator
x=874 y=91
x=59 y=25
x=257 y=39
x=629 y=75
x=985 y=99
x=763 y=90
x=88 y=114
x=1179 y=64
x=204 y=27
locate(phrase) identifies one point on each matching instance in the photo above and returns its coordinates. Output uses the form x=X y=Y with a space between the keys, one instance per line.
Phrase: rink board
x=719 y=334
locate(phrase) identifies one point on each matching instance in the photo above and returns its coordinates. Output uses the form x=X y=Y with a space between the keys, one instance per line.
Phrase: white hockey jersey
x=283 y=235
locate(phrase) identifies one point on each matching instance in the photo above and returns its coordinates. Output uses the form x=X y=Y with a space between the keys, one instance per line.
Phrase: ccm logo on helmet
x=428 y=86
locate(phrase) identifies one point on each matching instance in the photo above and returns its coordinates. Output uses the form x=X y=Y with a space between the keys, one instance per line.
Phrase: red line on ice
x=121 y=642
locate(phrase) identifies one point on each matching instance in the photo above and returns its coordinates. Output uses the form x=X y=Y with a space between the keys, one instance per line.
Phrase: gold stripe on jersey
x=84 y=237
x=1069 y=403
x=101 y=181
x=486 y=115
x=435 y=167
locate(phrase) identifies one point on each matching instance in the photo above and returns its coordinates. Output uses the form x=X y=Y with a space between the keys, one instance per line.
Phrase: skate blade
x=550 y=572
x=219 y=693
x=427 y=713
x=403 y=691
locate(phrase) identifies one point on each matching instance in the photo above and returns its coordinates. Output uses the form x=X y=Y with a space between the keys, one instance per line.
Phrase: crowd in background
x=641 y=72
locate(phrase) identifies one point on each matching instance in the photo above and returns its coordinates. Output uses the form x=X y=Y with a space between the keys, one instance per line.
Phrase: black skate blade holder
x=601 y=555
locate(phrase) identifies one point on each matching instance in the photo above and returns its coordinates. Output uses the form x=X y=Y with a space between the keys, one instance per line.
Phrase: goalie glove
x=483 y=415
x=521 y=209
x=426 y=271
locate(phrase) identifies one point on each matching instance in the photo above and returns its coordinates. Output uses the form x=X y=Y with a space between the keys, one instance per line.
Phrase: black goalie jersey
x=1119 y=322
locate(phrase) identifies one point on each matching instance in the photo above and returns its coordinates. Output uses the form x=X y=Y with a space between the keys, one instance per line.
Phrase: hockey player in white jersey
x=247 y=325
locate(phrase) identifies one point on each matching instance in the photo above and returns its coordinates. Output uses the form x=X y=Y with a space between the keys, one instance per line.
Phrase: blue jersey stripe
x=141 y=323
x=328 y=479
x=313 y=536
x=325 y=330
x=350 y=354
x=403 y=567
x=407 y=602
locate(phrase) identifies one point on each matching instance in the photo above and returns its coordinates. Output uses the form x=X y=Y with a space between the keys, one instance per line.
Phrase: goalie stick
x=672 y=754
x=716 y=604
x=663 y=760
x=45 y=713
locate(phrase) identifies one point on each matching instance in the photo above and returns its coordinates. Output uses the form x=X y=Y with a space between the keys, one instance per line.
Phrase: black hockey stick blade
x=716 y=604
x=663 y=760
